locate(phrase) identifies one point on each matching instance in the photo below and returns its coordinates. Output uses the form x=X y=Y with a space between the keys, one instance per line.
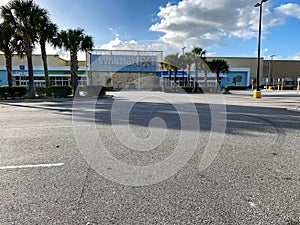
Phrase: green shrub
x=182 y=90
x=43 y=91
x=285 y=87
x=13 y=92
x=61 y=91
x=108 y=88
x=200 y=90
x=228 y=88
x=188 y=89
x=273 y=87
x=157 y=89
x=20 y=91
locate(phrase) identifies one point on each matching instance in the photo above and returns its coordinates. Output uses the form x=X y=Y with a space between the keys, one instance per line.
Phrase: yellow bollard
x=257 y=94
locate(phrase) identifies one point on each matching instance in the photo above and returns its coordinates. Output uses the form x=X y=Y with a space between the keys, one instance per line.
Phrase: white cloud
x=4 y=2
x=265 y=50
x=113 y=43
x=206 y=23
x=149 y=45
x=296 y=56
x=289 y=9
x=56 y=51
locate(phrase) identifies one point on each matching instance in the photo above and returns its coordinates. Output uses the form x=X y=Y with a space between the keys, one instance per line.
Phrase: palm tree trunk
x=169 y=78
x=196 y=76
x=74 y=70
x=189 y=75
x=44 y=58
x=175 y=77
x=8 y=59
x=28 y=52
x=217 y=82
x=30 y=77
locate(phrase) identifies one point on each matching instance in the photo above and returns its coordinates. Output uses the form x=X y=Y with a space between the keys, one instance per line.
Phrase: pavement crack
x=83 y=189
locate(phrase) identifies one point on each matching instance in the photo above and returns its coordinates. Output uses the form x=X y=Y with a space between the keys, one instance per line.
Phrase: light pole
x=270 y=69
x=183 y=83
x=183 y=50
x=139 y=71
x=257 y=92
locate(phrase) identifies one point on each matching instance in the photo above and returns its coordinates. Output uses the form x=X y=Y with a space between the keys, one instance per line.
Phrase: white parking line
x=45 y=127
x=30 y=166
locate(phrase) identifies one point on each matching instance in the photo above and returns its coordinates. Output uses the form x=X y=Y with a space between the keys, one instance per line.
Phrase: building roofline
x=123 y=50
x=233 y=57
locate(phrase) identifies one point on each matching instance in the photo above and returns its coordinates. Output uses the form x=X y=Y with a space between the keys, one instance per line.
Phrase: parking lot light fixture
x=271 y=69
x=257 y=92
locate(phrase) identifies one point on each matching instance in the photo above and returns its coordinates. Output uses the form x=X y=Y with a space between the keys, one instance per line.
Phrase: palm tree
x=74 y=40
x=24 y=16
x=9 y=45
x=199 y=54
x=189 y=60
x=218 y=66
x=168 y=67
x=206 y=68
x=174 y=61
x=183 y=66
x=47 y=32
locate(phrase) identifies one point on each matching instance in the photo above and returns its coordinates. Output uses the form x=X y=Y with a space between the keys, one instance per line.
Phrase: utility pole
x=257 y=92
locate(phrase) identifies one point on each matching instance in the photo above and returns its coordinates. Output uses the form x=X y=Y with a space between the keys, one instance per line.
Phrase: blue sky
x=222 y=27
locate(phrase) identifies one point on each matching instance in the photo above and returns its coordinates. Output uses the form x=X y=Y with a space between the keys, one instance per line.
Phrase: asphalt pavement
x=140 y=157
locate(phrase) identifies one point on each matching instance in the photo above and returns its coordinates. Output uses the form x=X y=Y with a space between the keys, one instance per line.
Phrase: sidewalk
x=36 y=100
x=268 y=92
x=287 y=99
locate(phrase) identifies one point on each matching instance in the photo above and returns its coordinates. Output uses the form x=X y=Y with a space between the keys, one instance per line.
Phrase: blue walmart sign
x=123 y=63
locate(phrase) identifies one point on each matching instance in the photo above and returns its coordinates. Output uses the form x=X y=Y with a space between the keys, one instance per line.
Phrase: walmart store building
x=122 y=67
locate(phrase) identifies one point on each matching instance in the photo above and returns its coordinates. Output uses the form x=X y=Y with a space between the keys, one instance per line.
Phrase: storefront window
x=39 y=81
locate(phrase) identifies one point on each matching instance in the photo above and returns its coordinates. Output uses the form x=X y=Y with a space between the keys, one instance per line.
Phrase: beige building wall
x=243 y=62
x=52 y=60
x=279 y=68
x=282 y=68
x=80 y=63
x=37 y=60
